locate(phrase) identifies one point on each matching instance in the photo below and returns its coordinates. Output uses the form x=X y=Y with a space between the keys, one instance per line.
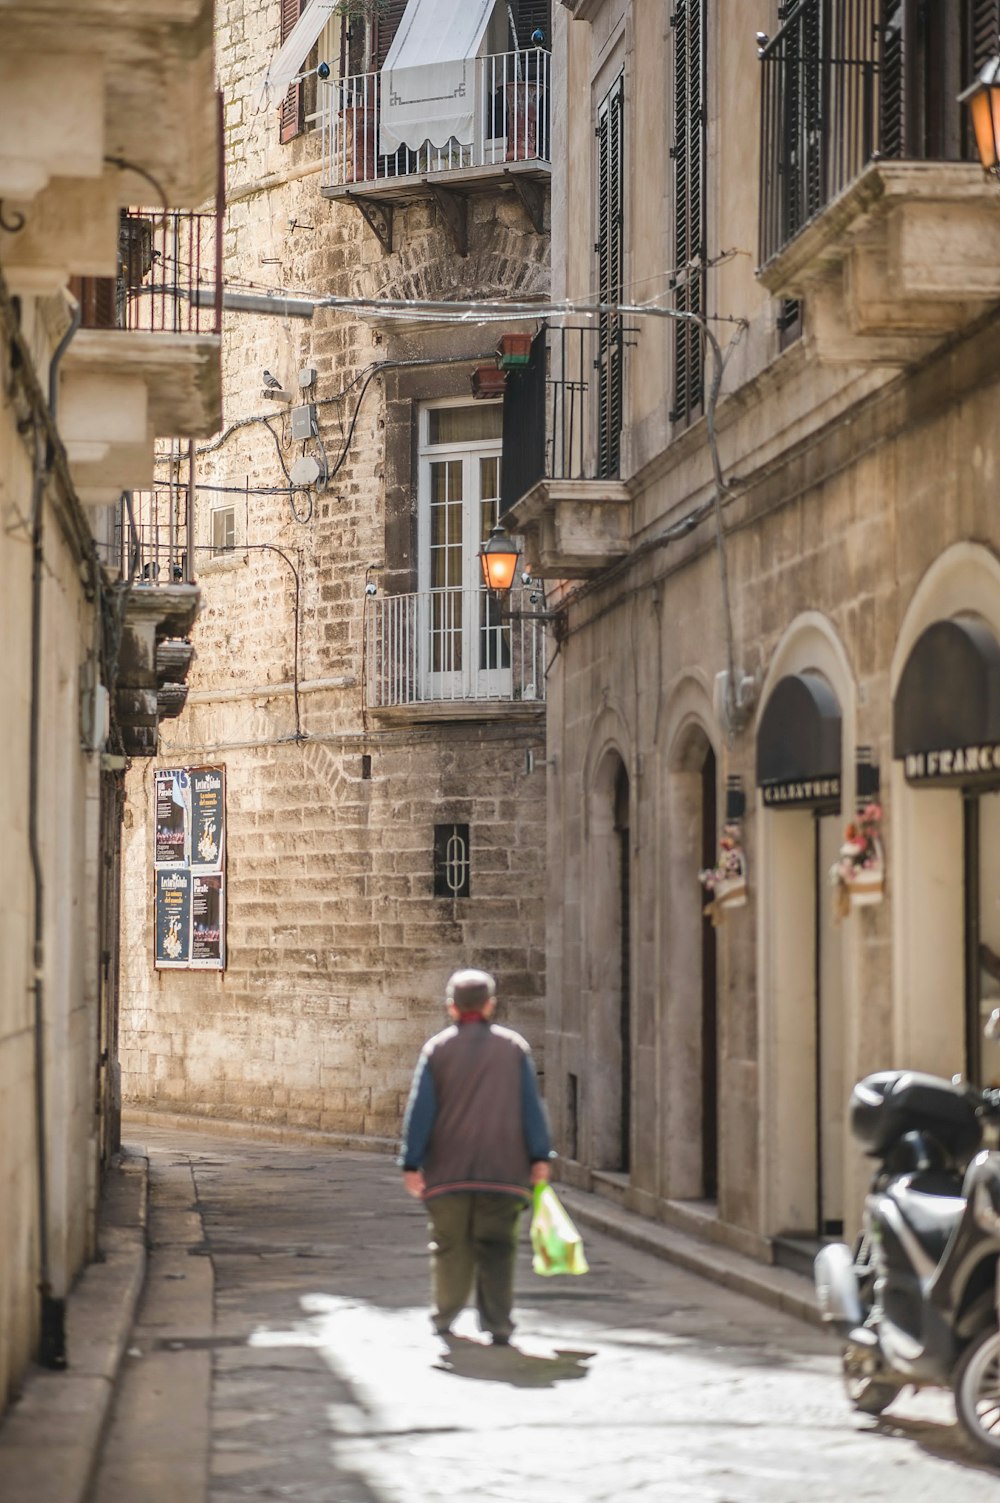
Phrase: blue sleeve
x=418 y=1123
x=534 y=1120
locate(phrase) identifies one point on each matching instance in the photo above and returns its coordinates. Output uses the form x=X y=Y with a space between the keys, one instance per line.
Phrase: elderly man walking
x=475 y=1140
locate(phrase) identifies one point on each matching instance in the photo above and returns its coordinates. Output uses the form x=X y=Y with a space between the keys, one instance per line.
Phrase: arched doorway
x=946 y=739
x=690 y=1025
x=709 y=992
x=624 y=873
x=799 y=753
x=606 y=932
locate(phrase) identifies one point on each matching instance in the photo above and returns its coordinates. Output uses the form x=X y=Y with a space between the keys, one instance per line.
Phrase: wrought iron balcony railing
x=148 y=542
x=845 y=81
x=452 y=645
x=164 y=256
x=564 y=411
x=511 y=114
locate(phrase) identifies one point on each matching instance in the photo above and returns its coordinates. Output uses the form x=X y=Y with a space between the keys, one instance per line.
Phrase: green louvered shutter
x=610 y=273
x=689 y=153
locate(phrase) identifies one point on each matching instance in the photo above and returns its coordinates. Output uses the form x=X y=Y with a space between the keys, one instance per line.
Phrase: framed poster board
x=189 y=868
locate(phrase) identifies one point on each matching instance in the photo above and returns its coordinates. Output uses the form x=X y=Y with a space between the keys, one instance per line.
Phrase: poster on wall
x=207 y=908
x=173 y=804
x=189 y=868
x=173 y=919
x=207 y=823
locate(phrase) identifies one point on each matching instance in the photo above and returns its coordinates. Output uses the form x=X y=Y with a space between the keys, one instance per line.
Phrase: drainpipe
x=52 y=1341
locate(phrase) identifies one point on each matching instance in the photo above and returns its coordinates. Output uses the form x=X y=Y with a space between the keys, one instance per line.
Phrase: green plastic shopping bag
x=555 y=1241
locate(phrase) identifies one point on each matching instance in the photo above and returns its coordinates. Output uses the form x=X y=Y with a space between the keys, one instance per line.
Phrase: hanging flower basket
x=858 y=874
x=727 y=881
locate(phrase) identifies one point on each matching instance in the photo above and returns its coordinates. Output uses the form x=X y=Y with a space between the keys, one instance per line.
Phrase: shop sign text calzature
x=189 y=848
x=804 y=793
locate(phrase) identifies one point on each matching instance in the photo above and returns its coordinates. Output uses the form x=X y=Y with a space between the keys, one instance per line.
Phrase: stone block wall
x=338 y=950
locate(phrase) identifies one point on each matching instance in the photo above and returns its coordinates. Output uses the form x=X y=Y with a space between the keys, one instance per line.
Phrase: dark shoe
x=500 y=1340
x=442 y=1331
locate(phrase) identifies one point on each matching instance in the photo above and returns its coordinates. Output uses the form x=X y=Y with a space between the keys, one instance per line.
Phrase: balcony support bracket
x=377 y=216
x=532 y=197
x=455 y=212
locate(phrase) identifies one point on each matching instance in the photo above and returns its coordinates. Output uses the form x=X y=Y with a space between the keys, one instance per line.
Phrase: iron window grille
x=452 y=865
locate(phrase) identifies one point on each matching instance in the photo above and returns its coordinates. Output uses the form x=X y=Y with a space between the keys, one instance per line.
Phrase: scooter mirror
x=992 y=1029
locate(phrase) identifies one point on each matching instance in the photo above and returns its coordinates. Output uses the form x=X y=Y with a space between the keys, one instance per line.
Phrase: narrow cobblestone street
x=282 y=1350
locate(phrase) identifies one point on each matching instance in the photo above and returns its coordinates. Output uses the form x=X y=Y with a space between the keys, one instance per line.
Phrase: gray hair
x=470 y=989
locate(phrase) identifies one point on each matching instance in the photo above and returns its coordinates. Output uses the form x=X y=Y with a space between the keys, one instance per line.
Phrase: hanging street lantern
x=499 y=556
x=983 y=99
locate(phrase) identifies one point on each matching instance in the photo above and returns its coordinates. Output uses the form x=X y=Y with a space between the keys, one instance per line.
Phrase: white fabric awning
x=287 y=61
x=428 y=77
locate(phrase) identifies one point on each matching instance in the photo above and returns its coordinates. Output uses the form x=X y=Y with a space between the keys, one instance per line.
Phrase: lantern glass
x=984 y=111
x=983 y=99
x=499 y=556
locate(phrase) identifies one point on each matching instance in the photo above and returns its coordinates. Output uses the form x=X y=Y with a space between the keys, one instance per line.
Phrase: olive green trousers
x=474 y=1241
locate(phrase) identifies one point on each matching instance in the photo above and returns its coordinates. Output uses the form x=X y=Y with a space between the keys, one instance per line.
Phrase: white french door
x=465 y=651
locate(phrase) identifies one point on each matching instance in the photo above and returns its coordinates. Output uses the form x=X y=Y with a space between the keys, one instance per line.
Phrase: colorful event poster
x=208 y=922
x=208 y=823
x=173 y=919
x=172 y=814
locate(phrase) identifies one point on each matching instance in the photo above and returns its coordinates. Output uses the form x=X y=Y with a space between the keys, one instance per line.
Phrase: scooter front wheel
x=977 y=1393
x=869 y=1392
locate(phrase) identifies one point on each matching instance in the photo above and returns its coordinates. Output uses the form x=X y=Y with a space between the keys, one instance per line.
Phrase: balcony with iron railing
x=510 y=143
x=453 y=652
x=146 y=362
x=561 y=485
x=864 y=154
x=144 y=547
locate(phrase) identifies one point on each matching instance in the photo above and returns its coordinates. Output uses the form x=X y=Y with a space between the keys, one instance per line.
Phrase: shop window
x=452 y=866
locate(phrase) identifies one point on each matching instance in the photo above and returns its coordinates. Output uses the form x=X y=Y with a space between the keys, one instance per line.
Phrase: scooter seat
x=932 y=1211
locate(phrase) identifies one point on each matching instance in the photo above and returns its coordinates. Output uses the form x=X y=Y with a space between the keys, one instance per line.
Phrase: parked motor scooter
x=918 y=1299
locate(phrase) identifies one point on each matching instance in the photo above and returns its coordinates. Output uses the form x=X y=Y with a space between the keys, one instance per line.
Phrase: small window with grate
x=452 y=867
x=223 y=530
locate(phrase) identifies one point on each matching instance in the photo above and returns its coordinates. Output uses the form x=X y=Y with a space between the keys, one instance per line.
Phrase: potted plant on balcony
x=858 y=874
x=726 y=882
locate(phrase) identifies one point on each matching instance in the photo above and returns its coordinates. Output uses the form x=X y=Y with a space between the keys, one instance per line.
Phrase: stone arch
x=928 y=897
x=607 y=942
x=807 y=973
x=686 y=944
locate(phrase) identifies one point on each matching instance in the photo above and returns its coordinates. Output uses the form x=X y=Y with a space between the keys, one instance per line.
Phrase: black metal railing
x=165 y=257
x=845 y=81
x=148 y=542
x=563 y=414
x=819 y=123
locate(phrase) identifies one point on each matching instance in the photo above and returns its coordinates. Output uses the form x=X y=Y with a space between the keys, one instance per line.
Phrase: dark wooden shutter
x=530 y=15
x=610 y=273
x=292 y=110
x=689 y=154
x=384 y=28
x=892 y=92
x=983 y=27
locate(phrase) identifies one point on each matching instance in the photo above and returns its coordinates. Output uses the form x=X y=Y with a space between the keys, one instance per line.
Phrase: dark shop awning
x=946 y=714
x=798 y=744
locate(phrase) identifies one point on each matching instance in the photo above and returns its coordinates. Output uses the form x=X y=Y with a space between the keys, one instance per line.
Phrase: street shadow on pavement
x=947 y=1442
x=508 y=1364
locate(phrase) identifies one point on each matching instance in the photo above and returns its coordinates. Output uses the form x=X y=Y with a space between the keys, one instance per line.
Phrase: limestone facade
x=338 y=948
x=79 y=409
x=701 y=1074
